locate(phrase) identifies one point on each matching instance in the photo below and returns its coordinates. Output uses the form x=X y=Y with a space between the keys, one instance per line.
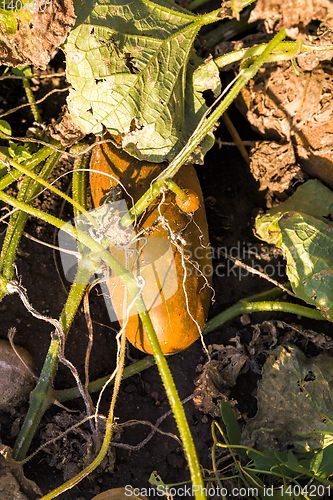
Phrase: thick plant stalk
x=42 y=395
x=80 y=179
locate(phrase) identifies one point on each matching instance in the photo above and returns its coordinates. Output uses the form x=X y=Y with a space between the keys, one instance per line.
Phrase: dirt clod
x=274 y=166
x=283 y=106
x=294 y=13
x=34 y=41
x=16 y=382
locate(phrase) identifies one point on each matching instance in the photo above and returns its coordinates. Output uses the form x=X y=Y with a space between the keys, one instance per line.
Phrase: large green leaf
x=133 y=70
x=302 y=227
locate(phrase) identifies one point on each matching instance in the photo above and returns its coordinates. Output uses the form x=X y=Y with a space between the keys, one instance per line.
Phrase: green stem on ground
x=248 y=305
x=80 y=182
x=243 y=307
x=176 y=405
x=282 y=52
x=97 y=385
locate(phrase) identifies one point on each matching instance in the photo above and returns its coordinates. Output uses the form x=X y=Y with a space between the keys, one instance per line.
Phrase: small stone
x=16 y=382
x=245 y=319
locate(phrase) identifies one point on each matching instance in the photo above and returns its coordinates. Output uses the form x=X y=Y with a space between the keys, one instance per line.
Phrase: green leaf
x=133 y=70
x=156 y=480
x=22 y=71
x=230 y=421
x=8 y=20
x=265 y=463
x=19 y=153
x=5 y=128
x=239 y=5
x=322 y=462
x=295 y=407
x=302 y=228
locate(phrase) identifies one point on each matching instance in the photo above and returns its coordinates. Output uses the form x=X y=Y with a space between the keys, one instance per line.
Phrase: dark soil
x=232 y=200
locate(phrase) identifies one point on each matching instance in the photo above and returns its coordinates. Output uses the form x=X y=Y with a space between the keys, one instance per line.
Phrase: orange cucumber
x=177 y=269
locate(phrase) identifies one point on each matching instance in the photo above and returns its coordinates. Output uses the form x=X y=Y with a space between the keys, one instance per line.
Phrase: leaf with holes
x=295 y=406
x=302 y=227
x=134 y=72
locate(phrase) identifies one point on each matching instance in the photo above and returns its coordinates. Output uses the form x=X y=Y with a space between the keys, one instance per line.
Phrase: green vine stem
x=252 y=307
x=170 y=184
x=30 y=96
x=80 y=179
x=283 y=51
x=95 y=386
x=22 y=444
x=5 y=159
x=204 y=126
